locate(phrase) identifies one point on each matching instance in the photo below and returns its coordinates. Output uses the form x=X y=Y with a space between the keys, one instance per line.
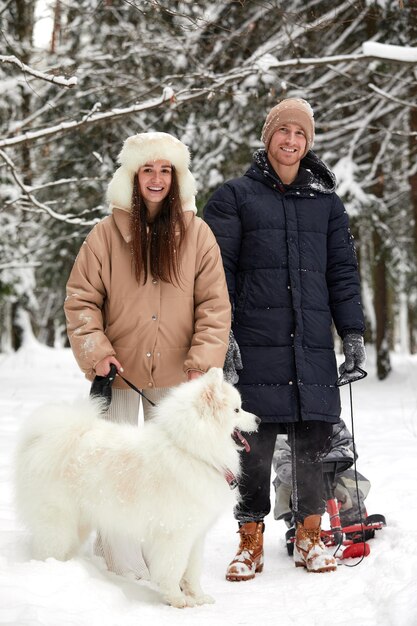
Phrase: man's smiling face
x=287 y=145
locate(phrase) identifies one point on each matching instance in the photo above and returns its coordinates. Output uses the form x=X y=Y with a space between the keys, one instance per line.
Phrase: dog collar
x=231 y=478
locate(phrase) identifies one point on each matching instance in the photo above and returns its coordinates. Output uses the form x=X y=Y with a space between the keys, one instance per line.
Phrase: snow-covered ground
x=381 y=591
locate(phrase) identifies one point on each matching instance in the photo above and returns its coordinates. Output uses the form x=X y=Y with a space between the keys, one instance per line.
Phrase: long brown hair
x=160 y=241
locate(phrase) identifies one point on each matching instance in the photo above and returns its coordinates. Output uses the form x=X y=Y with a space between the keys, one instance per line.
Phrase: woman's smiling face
x=154 y=183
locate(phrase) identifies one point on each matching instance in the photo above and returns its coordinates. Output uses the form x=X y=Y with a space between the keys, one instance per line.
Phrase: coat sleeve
x=222 y=215
x=342 y=273
x=212 y=315
x=83 y=309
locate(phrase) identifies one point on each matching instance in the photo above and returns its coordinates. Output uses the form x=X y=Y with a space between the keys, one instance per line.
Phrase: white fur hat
x=144 y=148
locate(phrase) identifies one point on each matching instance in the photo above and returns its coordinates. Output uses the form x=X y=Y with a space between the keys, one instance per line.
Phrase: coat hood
x=321 y=177
x=142 y=148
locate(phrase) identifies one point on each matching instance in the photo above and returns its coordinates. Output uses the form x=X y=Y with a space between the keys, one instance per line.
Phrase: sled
x=349 y=541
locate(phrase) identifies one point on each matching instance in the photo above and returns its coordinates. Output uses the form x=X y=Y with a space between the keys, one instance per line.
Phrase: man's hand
x=354 y=351
x=233 y=361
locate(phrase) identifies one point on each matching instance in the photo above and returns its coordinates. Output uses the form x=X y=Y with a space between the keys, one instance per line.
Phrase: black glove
x=101 y=387
x=233 y=361
x=354 y=351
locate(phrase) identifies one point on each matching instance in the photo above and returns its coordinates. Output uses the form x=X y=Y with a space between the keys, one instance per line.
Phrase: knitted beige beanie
x=290 y=111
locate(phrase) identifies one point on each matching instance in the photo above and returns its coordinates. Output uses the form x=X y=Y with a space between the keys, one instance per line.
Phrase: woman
x=147 y=291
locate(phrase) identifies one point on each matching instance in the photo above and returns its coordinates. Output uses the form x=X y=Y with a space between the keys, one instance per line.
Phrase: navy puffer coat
x=291 y=269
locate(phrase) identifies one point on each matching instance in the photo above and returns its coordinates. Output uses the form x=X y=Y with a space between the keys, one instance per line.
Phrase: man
x=291 y=270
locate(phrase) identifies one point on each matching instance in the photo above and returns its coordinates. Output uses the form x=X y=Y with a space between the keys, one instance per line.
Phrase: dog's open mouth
x=239 y=440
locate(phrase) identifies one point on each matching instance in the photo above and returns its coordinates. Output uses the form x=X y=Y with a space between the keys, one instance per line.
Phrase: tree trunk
x=383 y=365
x=56 y=30
x=25 y=15
x=380 y=287
x=379 y=272
x=24 y=25
x=412 y=146
x=413 y=199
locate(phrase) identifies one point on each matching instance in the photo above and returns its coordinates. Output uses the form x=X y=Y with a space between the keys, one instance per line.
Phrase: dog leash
x=132 y=386
x=112 y=375
x=347 y=378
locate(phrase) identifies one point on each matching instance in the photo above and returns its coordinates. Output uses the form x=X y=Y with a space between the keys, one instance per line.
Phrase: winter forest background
x=207 y=72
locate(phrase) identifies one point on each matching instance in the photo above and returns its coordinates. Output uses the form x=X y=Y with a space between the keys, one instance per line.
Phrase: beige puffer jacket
x=158 y=331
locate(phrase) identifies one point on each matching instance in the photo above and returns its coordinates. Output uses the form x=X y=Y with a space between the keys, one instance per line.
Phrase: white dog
x=163 y=484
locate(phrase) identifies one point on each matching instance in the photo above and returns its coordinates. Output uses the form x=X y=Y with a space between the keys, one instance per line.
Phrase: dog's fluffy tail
x=44 y=455
x=50 y=430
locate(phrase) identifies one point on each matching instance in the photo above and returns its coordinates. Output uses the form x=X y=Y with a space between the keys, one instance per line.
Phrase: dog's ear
x=215 y=375
x=212 y=395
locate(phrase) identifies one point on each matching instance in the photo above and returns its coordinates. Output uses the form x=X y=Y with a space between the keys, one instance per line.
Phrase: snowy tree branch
x=54 y=183
x=41 y=206
x=183 y=96
x=50 y=78
x=18 y=265
x=91 y=118
x=387 y=96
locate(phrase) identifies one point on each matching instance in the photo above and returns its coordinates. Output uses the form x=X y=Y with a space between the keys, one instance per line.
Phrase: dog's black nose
x=257 y=420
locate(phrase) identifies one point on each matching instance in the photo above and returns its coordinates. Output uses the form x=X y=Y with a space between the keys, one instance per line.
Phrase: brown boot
x=309 y=550
x=249 y=559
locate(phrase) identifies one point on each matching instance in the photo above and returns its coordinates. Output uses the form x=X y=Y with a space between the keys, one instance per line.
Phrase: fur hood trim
x=143 y=148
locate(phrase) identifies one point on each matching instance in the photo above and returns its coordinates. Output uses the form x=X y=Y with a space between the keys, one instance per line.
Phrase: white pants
x=121 y=556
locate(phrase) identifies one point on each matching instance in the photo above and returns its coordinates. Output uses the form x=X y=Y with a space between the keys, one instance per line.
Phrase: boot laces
x=248 y=542
x=312 y=534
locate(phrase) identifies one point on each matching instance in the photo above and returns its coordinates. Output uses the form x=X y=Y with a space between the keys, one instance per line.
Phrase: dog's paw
x=179 y=600
x=194 y=592
x=204 y=598
x=183 y=600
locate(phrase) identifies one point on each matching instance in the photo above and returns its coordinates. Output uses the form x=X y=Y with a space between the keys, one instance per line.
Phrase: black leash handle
x=351 y=377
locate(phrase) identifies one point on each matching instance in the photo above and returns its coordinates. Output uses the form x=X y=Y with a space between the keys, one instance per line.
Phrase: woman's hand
x=193 y=374
x=103 y=367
